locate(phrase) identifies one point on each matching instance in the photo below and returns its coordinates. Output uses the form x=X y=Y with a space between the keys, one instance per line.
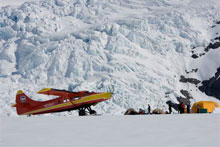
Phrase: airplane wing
x=56 y=92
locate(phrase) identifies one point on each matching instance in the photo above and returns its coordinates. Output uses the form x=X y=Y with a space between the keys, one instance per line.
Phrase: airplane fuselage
x=65 y=101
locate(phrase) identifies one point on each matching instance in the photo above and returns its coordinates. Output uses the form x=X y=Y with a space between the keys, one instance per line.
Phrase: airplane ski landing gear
x=83 y=112
x=91 y=112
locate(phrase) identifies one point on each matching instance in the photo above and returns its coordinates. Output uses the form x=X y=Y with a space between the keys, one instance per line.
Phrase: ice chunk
x=7 y=33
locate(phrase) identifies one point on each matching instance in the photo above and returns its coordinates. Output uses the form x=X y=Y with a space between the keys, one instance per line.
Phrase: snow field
x=197 y=130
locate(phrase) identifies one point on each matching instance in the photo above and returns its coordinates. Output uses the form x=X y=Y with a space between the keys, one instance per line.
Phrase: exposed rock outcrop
x=212 y=86
x=190 y=80
x=212 y=46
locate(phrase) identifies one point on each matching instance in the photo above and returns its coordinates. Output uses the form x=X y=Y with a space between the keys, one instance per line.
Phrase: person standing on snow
x=188 y=108
x=170 y=109
x=179 y=108
x=149 y=109
x=197 y=108
x=182 y=107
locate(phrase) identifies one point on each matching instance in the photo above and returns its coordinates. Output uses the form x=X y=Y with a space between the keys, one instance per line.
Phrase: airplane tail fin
x=23 y=103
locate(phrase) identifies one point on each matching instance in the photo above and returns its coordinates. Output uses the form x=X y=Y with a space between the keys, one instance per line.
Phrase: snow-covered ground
x=136 y=49
x=192 y=130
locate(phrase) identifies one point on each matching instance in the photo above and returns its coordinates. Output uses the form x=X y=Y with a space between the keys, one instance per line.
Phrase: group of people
x=182 y=108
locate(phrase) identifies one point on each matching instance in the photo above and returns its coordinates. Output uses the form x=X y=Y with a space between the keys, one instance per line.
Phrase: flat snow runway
x=111 y=131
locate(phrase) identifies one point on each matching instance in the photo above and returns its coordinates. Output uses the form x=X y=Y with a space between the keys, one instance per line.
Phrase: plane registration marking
x=48 y=105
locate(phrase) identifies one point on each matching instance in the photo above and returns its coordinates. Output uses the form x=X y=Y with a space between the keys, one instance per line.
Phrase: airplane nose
x=108 y=95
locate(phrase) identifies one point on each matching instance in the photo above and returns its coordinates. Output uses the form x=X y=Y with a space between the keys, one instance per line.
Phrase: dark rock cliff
x=212 y=86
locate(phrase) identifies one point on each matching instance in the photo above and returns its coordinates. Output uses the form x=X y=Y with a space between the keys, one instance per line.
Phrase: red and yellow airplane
x=66 y=101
